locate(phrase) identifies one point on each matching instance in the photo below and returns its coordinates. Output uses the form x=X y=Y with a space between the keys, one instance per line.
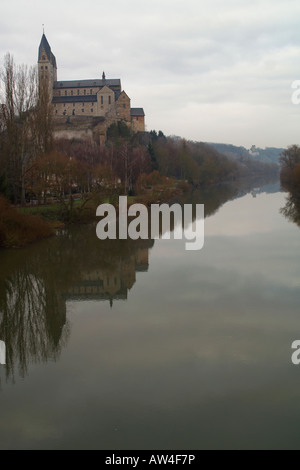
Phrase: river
x=145 y=345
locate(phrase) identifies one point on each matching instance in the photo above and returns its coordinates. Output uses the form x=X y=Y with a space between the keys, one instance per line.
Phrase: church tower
x=47 y=70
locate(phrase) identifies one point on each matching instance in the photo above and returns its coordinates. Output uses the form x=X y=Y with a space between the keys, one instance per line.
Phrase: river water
x=145 y=345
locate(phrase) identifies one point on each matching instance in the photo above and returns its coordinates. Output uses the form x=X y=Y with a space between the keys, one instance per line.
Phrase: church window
x=72 y=92
x=101 y=99
x=109 y=100
x=124 y=105
x=44 y=57
x=66 y=92
x=82 y=110
x=84 y=92
x=92 y=110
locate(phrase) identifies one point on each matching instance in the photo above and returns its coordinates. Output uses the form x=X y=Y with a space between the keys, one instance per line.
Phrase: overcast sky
x=206 y=70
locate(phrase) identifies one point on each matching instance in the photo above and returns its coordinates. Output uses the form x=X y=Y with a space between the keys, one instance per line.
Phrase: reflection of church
x=112 y=283
x=35 y=287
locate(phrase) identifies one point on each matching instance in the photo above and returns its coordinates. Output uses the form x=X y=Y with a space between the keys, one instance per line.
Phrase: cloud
x=174 y=56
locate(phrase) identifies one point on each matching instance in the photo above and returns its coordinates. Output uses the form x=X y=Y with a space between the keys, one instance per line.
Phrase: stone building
x=102 y=97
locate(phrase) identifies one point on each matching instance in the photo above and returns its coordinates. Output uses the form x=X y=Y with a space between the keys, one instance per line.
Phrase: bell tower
x=47 y=69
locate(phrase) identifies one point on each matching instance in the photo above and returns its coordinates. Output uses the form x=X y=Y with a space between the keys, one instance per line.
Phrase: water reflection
x=291 y=210
x=36 y=282
x=33 y=324
x=214 y=197
x=112 y=277
x=2 y=353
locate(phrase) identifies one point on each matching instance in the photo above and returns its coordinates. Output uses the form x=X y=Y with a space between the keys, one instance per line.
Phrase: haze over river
x=145 y=345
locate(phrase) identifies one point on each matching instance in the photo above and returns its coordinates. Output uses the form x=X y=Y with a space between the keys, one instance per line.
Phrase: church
x=99 y=97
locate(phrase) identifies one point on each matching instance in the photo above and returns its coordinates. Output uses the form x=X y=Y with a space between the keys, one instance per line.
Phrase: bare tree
x=26 y=116
x=42 y=119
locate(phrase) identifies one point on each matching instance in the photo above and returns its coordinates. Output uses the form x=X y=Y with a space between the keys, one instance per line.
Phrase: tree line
x=35 y=166
x=25 y=126
x=290 y=168
x=290 y=181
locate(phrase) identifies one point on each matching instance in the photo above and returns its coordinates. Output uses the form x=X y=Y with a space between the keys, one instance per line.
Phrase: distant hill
x=267 y=155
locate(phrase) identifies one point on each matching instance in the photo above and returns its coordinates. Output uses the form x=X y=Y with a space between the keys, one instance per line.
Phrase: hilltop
x=267 y=155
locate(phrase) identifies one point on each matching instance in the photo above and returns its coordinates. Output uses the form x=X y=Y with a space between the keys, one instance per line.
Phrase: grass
x=23 y=225
x=47 y=212
x=17 y=229
x=52 y=211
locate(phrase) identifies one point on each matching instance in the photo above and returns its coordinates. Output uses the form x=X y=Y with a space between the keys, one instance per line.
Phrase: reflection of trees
x=290 y=181
x=36 y=281
x=291 y=210
x=32 y=331
x=34 y=285
x=215 y=196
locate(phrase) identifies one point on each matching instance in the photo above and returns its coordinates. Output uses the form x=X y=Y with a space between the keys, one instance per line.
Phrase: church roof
x=137 y=112
x=88 y=83
x=44 y=45
x=75 y=99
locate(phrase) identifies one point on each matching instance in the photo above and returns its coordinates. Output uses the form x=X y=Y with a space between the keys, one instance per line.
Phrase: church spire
x=45 y=52
x=47 y=68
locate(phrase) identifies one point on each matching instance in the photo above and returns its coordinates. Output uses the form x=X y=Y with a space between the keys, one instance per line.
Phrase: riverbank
x=17 y=229
x=20 y=226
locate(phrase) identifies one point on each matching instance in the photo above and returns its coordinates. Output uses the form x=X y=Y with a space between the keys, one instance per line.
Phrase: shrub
x=17 y=229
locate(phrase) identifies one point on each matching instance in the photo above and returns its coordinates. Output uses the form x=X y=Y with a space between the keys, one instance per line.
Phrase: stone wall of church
x=138 y=123
x=105 y=101
x=75 y=91
x=46 y=71
x=123 y=107
x=75 y=109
